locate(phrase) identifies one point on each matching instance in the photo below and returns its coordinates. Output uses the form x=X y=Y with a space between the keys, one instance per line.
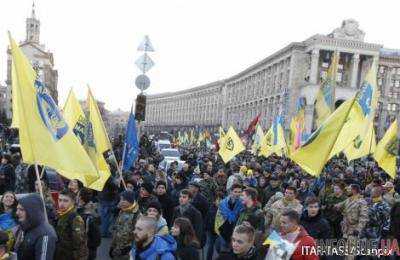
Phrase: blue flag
x=131 y=145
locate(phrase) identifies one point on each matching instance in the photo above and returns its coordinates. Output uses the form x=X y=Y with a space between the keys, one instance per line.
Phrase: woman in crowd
x=8 y=217
x=188 y=244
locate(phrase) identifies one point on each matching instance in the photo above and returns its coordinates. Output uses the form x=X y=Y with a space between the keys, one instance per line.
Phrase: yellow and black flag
x=231 y=145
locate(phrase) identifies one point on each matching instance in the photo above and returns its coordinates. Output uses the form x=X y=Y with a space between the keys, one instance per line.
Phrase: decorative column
x=314 y=66
x=354 y=70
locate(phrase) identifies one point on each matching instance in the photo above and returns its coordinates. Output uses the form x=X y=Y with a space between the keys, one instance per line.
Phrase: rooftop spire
x=33 y=15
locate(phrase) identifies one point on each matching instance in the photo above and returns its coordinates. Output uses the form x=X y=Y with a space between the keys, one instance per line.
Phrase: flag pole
x=41 y=190
x=119 y=169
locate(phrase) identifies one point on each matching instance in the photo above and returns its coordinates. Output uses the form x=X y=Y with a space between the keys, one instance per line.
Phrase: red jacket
x=305 y=241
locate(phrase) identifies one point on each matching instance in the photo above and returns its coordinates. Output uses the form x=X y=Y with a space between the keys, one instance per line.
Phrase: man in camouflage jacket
x=72 y=240
x=122 y=233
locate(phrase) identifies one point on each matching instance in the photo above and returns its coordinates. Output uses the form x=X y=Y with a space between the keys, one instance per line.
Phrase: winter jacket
x=92 y=224
x=39 y=237
x=304 y=241
x=253 y=254
x=195 y=218
x=317 y=227
x=201 y=204
x=187 y=252
x=162 y=247
x=7 y=180
x=254 y=216
x=167 y=207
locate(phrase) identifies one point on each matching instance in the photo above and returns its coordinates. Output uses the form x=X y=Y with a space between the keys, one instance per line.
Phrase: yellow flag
x=313 y=155
x=81 y=127
x=231 y=146
x=257 y=140
x=100 y=141
x=364 y=142
x=325 y=97
x=274 y=140
x=387 y=150
x=362 y=145
x=45 y=137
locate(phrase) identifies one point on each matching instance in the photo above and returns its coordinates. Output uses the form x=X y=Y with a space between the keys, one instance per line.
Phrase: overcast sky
x=95 y=41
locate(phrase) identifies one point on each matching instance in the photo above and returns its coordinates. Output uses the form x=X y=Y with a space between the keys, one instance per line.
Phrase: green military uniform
x=355 y=215
x=333 y=216
x=208 y=188
x=122 y=233
x=253 y=215
x=72 y=240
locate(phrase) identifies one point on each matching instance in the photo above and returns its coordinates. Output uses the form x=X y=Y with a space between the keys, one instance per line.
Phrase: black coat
x=167 y=208
x=187 y=252
x=201 y=204
x=40 y=238
x=7 y=181
x=195 y=218
x=317 y=227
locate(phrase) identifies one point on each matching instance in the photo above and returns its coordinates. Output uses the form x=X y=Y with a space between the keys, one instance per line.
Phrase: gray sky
x=196 y=42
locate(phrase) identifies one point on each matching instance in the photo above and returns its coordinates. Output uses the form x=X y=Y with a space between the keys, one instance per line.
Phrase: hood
x=161 y=245
x=33 y=206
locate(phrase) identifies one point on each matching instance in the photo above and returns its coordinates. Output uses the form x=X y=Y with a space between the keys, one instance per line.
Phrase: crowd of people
x=206 y=210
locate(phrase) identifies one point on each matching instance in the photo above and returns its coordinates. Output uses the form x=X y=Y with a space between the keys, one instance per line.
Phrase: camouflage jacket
x=329 y=211
x=253 y=215
x=208 y=188
x=379 y=220
x=355 y=215
x=72 y=242
x=122 y=232
x=274 y=214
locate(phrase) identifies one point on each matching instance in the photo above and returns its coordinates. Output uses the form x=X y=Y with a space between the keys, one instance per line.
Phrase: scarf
x=7 y=221
x=65 y=212
x=130 y=208
x=227 y=213
x=377 y=199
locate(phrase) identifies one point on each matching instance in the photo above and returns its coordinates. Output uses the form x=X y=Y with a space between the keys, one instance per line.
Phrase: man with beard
x=145 y=196
x=147 y=245
x=72 y=242
x=124 y=225
x=36 y=238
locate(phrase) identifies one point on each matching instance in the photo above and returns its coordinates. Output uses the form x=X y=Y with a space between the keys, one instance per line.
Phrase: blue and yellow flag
x=258 y=136
x=315 y=152
x=365 y=143
x=297 y=127
x=274 y=140
x=324 y=105
x=387 y=150
x=45 y=137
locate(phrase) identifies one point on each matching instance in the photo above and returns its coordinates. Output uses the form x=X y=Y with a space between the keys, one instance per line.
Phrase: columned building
x=274 y=85
x=41 y=60
x=3 y=102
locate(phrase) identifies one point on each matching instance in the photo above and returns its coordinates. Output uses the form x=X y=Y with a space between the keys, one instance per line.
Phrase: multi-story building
x=41 y=60
x=3 y=102
x=274 y=85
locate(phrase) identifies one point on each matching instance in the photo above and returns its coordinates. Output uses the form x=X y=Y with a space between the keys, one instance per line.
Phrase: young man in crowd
x=242 y=245
x=36 y=238
x=122 y=235
x=147 y=245
x=292 y=231
x=313 y=221
x=228 y=213
x=187 y=210
x=72 y=238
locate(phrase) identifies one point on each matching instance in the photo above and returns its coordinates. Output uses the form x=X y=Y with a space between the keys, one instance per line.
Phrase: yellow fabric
x=325 y=97
x=297 y=125
x=221 y=136
x=45 y=137
x=257 y=139
x=231 y=146
x=313 y=155
x=274 y=144
x=386 y=150
x=77 y=120
x=363 y=144
x=101 y=141
x=65 y=212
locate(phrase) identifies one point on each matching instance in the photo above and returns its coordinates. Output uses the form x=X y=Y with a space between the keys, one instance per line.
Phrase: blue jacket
x=162 y=246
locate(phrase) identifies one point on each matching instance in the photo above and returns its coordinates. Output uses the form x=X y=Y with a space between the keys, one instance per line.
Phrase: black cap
x=129 y=196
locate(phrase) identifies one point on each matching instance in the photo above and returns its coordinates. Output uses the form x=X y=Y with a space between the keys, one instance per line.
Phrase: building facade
x=3 y=102
x=274 y=85
x=41 y=60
